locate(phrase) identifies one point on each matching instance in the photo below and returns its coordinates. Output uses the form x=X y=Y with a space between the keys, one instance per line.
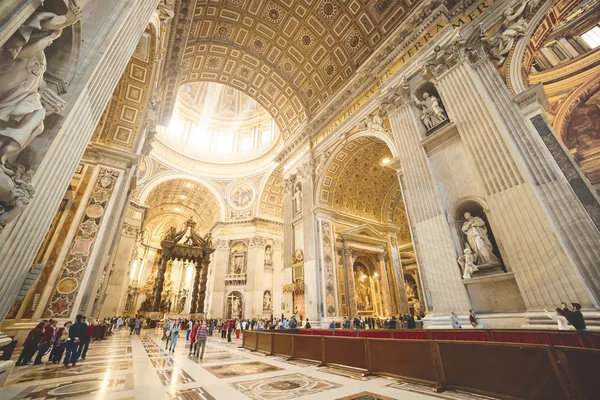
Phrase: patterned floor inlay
x=241 y=369
x=298 y=363
x=428 y=390
x=284 y=387
x=347 y=373
x=59 y=371
x=218 y=358
x=366 y=396
x=191 y=394
x=162 y=362
x=174 y=377
x=75 y=389
x=106 y=351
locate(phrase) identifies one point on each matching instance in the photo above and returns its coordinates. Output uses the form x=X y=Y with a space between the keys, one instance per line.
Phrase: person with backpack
x=31 y=344
x=200 y=337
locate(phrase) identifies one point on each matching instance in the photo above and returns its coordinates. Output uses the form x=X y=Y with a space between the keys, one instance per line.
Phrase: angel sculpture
x=467 y=263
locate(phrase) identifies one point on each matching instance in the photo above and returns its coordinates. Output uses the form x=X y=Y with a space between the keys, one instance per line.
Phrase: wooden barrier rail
x=549 y=337
x=507 y=370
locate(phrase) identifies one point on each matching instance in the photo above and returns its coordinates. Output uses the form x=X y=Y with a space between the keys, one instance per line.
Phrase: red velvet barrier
x=343 y=333
x=375 y=334
x=322 y=332
x=593 y=339
x=411 y=334
x=459 y=334
x=551 y=338
x=304 y=332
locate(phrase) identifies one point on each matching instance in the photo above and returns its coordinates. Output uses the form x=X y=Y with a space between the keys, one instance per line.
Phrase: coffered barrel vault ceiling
x=357 y=183
x=290 y=55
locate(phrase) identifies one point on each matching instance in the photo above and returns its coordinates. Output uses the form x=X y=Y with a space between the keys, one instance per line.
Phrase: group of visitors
x=568 y=315
x=72 y=339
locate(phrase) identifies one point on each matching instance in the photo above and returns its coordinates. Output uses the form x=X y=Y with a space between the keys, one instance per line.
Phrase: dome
x=217 y=123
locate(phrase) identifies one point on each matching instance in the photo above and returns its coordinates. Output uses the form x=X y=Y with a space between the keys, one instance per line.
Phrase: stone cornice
x=100 y=154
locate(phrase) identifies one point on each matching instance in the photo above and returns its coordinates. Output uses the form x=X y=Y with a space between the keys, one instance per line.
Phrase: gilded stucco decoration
x=271 y=202
x=65 y=291
x=357 y=183
x=180 y=199
x=291 y=56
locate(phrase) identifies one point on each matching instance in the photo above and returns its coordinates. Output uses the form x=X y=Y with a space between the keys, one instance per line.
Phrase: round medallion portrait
x=241 y=195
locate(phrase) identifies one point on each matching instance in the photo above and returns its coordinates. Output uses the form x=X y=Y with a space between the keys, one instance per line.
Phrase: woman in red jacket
x=31 y=344
x=193 y=338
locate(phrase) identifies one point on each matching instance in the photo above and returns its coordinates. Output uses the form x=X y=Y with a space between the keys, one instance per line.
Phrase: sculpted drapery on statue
x=477 y=238
x=514 y=25
x=24 y=99
x=432 y=113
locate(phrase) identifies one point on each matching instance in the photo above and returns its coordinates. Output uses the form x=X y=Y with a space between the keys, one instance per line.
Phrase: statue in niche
x=165 y=8
x=269 y=256
x=267 y=301
x=239 y=265
x=25 y=100
x=432 y=113
x=298 y=199
x=235 y=307
x=514 y=25
x=417 y=307
x=467 y=262
x=479 y=243
x=410 y=293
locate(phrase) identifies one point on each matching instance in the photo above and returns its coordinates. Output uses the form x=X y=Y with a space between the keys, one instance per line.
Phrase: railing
x=547 y=337
x=235 y=279
x=507 y=370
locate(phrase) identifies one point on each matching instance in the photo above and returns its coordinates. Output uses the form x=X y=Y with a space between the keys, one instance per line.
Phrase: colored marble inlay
x=162 y=362
x=76 y=389
x=58 y=371
x=352 y=374
x=284 y=387
x=174 y=377
x=191 y=394
x=240 y=369
x=76 y=262
x=366 y=396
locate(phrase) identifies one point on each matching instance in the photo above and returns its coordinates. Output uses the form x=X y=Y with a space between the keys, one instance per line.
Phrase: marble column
x=545 y=230
x=385 y=287
x=431 y=233
x=289 y=245
x=277 y=277
x=95 y=78
x=350 y=284
x=398 y=273
x=313 y=300
x=203 y=285
x=196 y=286
x=219 y=290
x=328 y=268
x=256 y=277
x=160 y=281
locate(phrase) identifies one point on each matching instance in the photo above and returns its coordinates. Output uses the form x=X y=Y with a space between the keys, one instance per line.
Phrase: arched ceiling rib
x=290 y=55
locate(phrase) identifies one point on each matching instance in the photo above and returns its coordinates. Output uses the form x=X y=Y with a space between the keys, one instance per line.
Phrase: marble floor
x=138 y=367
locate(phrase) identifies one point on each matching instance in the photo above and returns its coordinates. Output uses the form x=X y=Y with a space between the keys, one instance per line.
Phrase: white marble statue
x=477 y=238
x=235 y=307
x=467 y=262
x=269 y=256
x=514 y=26
x=25 y=101
x=298 y=199
x=267 y=301
x=432 y=113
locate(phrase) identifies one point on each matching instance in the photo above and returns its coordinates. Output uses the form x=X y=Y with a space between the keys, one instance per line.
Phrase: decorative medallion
x=328 y=9
x=354 y=41
x=274 y=14
x=306 y=40
x=329 y=69
x=88 y=227
x=94 y=211
x=241 y=195
x=223 y=31
x=67 y=285
x=258 y=44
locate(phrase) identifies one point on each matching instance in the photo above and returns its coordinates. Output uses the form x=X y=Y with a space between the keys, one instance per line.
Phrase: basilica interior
x=324 y=161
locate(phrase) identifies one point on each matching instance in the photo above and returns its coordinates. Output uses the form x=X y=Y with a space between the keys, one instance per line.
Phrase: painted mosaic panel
x=68 y=282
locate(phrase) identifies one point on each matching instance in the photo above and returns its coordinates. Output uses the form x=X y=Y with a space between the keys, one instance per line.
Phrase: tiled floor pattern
x=138 y=367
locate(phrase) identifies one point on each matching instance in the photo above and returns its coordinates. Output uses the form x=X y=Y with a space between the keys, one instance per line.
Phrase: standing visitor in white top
x=559 y=317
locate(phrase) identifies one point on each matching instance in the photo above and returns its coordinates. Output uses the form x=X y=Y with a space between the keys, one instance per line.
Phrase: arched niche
x=234 y=305
x=476 y=208
x=238 y=258
x=429 y=99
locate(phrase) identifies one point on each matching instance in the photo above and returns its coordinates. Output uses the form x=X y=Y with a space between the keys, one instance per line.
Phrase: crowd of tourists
x=71 y=340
